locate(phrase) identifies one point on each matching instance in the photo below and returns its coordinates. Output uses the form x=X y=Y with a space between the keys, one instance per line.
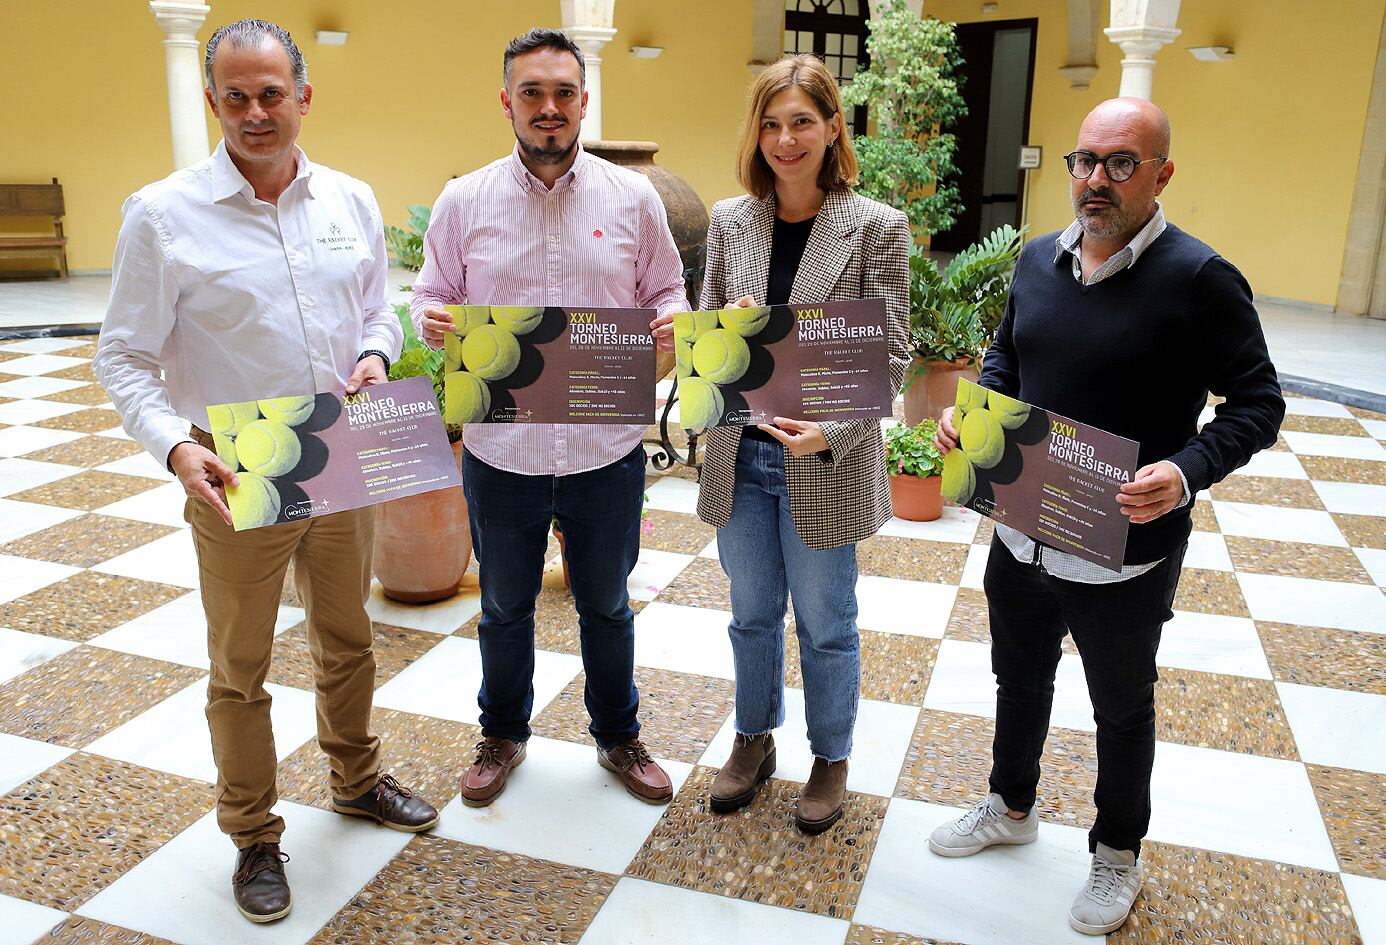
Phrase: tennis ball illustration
x=683 y=359
x=1009 y=412
x=982 y=438
x=690 y=326
x=970 y=397
x=517 y=319
x=700 y=403
x=745 y=321
x=226 y=451
x=468 y=318
x=490 y=352
x=959 y=478
x=254 y=502
x=721 y=356
x=268 y=448
x=230 y=419
x=467 y=398
x=287 y=410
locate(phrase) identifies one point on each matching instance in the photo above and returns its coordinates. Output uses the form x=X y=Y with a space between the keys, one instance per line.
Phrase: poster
x=297 y=457
x=1053 y=478
x=828 y=361
x=517 y=364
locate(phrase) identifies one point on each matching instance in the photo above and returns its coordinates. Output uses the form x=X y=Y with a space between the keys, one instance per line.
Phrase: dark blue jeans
x=599 y=514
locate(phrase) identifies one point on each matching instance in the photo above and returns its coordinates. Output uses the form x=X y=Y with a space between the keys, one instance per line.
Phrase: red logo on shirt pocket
x=597 y=234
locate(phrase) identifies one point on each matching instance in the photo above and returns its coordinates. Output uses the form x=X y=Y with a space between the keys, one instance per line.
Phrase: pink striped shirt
x=600 y=237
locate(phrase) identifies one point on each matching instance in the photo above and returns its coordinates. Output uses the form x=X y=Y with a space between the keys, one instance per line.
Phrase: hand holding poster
x=1053 y=478
x=828 y=361
x=297 y=457
x=530 y=364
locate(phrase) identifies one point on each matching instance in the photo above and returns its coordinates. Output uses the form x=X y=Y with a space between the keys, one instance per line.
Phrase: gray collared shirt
x=1059 y=563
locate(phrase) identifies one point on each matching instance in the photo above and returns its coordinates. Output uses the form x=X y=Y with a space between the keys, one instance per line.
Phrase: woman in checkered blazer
x=790 y=501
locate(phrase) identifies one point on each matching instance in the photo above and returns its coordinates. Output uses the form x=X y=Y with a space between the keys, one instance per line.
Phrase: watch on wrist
x=380 y=354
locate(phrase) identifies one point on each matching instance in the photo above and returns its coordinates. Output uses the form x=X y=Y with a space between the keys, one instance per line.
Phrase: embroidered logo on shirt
x=597 y=234
x=336 y=239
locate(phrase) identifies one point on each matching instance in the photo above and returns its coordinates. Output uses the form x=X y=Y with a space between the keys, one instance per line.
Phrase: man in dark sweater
x=1125 y=322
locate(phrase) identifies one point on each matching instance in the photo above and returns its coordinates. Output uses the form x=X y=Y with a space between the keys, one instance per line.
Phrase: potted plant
x=954 y=315
x=916 y=470
x=423 y=543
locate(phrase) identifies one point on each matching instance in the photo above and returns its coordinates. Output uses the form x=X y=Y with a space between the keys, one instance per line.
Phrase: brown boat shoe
x=259 y=886
x=485 y=779
x=641 y=774
x=392 y=805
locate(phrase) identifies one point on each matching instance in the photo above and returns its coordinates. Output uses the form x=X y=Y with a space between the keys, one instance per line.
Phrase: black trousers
x=1116 y=628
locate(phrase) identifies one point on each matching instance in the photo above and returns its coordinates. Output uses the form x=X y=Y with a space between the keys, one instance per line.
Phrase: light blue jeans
x=762 y=554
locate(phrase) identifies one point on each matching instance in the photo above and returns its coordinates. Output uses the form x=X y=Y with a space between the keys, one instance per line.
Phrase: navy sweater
x=1137 y=354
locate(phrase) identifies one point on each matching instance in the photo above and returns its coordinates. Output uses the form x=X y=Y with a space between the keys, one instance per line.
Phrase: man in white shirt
x=255 y=274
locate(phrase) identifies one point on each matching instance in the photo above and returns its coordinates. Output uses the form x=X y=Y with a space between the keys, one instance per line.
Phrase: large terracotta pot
x=915 y=498
x=687 y=216
x=423 y=543
x=936 y=389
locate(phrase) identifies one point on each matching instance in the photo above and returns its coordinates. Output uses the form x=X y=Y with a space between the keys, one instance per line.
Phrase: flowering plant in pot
x=916 y=469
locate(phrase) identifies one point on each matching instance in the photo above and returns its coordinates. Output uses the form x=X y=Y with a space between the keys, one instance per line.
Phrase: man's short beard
x=546 y=156
x=1114 y=223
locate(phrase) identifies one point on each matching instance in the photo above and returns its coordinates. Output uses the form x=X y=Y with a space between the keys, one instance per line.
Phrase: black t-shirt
x=786 y=251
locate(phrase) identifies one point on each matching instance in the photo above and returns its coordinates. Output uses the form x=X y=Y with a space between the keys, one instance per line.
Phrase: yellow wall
x=1265 y=147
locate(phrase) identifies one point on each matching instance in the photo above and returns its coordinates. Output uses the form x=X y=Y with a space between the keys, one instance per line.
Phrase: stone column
x=1141 y=28
x=183 y=65
x=588 y=24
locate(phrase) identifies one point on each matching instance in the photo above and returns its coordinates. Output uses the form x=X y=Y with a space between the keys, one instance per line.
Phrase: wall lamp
x=1212 y=53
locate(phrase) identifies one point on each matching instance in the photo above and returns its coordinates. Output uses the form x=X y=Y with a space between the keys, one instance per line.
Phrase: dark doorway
x=999 y=69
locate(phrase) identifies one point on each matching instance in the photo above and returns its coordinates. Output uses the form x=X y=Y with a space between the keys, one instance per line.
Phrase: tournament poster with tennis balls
x=537 y=364
x=298 y=457
x=1043 y=474
x=826 y=361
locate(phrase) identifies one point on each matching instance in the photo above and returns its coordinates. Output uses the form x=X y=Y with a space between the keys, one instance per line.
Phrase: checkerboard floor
x=1269 y=777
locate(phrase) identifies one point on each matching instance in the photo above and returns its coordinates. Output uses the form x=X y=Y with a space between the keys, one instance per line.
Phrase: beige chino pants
x=242 y=576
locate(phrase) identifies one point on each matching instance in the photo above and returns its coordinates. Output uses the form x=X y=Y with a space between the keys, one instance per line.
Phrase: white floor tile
x=444 y=681
x=22 y=922
x=709 y=550
x=182 y=891
x=115 y=433
x=20 y=760
x=172 y=736
x=879 y=743
x=1246 y=520
x=25 y=575
x=16 y=441
x=1207 y=550
x=1375 y=428
x=18 y=519
x=915 y=608
x=654 y=571
x=1368 y=900
x=963 y=682
x=1374 y=560
x=1314 y=603
x=177 y=632
x=957 y=525
x=138 y=464
x=443 y=617
x=1352 y=498
x=1337 y=728
x=1312 y=407
x=1328 y=444
x=16 y=475
x=21 y=652
x=673 y=494
x=643 y=913
x=36 y=364
x=162 y=505
x=1221 y=800
x=1213 y=643
x=684 y=639
x=167 y=560
x=26 y=387
x=1273 y=464
x=34 y=411
x=42 y=345
x=976 y=567
x=604 y=826
x=1004 y=896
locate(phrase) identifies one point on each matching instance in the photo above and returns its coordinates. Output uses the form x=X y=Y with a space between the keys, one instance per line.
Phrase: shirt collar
x=1071 y=238
x=227 y=180
x=529 y=182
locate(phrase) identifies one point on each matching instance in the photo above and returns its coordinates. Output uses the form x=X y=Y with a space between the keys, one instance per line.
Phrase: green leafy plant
x=407 y=246
x=910 y=451
x=912 y=88
x=417 y=359
x=955 y=312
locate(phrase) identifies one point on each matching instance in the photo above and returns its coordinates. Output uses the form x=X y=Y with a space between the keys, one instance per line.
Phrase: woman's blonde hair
x=808 y=73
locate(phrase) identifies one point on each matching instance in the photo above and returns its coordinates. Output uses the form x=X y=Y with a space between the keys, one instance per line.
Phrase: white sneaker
x=984 y=825
x=1113 y=884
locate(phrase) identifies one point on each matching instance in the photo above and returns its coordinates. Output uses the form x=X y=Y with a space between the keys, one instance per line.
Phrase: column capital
x=179 y=20
x=1135 y=40
x=590 y=39
x=1079 y=75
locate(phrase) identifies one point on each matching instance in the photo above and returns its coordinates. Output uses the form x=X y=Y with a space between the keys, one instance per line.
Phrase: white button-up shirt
x=234 y=299
x=600 y=237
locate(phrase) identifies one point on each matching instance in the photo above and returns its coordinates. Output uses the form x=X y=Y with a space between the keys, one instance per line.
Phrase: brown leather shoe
x=642 y=776
x=485 y=779
x=391 y=804
x=820 y=802
x=260 y=888
x=752 y=761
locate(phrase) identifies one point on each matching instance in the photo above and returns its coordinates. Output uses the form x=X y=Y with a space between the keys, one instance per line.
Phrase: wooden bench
x=35 y=200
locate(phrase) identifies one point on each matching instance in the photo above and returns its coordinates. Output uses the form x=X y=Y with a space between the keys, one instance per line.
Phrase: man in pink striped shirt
x=552 y=225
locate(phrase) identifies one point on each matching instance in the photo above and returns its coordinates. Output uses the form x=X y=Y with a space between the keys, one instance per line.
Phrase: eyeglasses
x=1119 y=167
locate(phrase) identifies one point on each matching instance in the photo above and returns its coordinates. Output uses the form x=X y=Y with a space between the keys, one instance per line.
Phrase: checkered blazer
x=858 y=249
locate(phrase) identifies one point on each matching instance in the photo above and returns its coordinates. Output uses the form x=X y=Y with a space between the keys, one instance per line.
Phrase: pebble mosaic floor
x=1269 y=813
